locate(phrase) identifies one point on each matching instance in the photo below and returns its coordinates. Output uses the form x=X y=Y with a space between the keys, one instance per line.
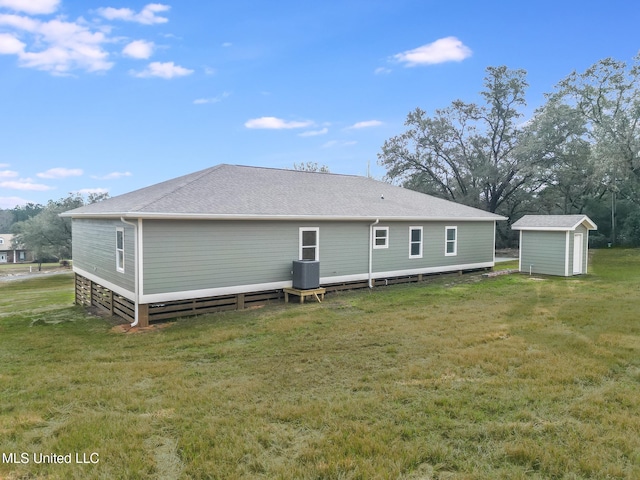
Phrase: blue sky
x=115 y=95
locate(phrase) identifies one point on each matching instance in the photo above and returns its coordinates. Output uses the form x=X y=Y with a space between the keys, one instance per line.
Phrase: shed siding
x=544 y=252
x=94 y=250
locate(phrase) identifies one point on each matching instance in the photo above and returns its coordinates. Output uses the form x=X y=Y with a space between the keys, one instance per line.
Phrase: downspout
x=371 y=251
x=136 y=279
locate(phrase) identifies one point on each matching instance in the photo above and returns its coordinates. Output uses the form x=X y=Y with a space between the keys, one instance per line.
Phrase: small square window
x=309 y=245
x=381 y=237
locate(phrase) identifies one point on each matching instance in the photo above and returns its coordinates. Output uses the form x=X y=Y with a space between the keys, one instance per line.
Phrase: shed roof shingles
x=555 y=222
x=231 y=190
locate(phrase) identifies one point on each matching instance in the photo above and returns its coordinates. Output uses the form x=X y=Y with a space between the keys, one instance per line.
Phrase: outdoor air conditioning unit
x=306 y=274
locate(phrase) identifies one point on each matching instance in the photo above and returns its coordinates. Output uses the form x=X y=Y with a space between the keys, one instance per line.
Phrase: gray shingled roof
x=553 y=222
x=232 y=191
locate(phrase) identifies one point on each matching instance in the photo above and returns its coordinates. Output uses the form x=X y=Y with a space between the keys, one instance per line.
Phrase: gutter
x=371 y=251
x=136 y=271
x=302 y=218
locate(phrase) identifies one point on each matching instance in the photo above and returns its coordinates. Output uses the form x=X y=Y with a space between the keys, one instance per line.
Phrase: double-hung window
x=415 y=242
x=120 y=249
x=381 y=237
x=309 y=243
x=451 y=241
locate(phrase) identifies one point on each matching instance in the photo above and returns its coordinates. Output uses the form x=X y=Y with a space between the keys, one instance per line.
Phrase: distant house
x=554 y=244
x=10 y=253
x=232 y=232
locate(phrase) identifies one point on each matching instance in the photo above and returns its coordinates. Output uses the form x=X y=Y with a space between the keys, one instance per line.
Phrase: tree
x=48 y=235
x=25 y=212
x=466 y=152
x=568 y=177
x=607 y=95
x=310 y=167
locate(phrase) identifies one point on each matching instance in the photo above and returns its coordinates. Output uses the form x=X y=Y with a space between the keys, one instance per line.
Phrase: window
x=415 y=242
x=120 y=249
x=1 y=241
x=381 y=237
x=451 y=241
x=309 y=243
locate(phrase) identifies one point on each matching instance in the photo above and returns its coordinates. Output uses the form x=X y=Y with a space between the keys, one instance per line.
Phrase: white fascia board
x=166 y=216
x=588 y=224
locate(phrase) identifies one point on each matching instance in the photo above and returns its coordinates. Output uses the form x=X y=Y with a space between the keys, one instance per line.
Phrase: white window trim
x=120 y=268
x=386 y=243
x=411 y=229
x=317 y=246
x=446 y=241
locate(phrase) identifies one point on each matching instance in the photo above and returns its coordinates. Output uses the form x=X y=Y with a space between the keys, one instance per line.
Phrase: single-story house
x=235 y=230
x=11 y=253
x=554 y=244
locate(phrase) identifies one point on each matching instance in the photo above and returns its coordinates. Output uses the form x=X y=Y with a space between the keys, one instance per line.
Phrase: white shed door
x=577 y=254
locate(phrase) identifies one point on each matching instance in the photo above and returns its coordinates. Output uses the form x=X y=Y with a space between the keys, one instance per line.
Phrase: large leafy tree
x=607 y=96
x=47 y=234
x=568 y=177
x=467 y=152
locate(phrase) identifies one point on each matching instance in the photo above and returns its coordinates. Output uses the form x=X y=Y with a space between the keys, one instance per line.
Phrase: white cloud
x=365 y=124
x=8 y=173
x=10 y=45
x=64 y=46
x=273 y=123
x=204 y=101
x=33 y=7
x=61 y=173
x=147 y=16
x=25 y=184
x=227 y=44
x=163 y=70
x=138 y=49
x=336 y=143
x=113 y=176
x=314 y=133
x=382 y=71
x=448 y=49
x=11 y=202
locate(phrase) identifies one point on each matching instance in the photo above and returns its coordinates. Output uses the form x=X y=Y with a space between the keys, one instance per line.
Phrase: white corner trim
x=566 y=256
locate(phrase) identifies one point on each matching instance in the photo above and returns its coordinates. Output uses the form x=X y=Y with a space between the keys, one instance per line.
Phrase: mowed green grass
x=462 y=377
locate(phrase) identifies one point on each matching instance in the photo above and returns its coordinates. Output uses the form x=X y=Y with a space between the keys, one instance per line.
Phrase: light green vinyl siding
x=195 y=255
x=475 y=244
x=94 y=250
x=544 y=252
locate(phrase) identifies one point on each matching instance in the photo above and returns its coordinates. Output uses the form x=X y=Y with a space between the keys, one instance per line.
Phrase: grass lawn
x=461 y=378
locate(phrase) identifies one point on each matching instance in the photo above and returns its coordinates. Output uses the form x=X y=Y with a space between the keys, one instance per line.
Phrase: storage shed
x=554 y=244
